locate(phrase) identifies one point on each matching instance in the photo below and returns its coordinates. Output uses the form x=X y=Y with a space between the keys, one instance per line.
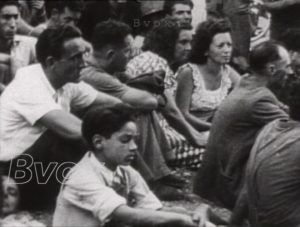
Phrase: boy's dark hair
x=263 y=54
x=205 y=33
x=50 y=42
x=8 y=3
x=169 y=4
x=110 y=32
x=60 y=5
x=106 y=120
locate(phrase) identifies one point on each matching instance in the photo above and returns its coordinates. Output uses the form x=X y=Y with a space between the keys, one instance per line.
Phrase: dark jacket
x=234 y=128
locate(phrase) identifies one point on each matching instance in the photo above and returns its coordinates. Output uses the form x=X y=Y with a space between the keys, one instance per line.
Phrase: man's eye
x=68 y=19
x=125 y=139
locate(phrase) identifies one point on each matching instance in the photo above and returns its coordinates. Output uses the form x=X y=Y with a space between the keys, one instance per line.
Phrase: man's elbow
x=150 y=103
x=70 y=134
x=142 y=101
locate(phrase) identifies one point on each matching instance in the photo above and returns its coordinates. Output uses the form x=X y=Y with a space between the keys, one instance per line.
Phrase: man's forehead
x=284 y=54
x=9 y=10
x=74 y=45
x=181 y=7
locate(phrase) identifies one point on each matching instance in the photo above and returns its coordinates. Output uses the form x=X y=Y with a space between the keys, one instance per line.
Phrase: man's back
x=272 y=176
x=235 y=126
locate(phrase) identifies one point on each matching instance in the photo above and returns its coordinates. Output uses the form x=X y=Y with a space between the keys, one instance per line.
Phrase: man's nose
x=12 y=22
x=187 y=15
x=188 y=47
x=132 y=146
x=227 y=48
x=290 y=70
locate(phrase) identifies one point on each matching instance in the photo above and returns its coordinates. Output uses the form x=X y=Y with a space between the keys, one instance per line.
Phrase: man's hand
x=201 y=216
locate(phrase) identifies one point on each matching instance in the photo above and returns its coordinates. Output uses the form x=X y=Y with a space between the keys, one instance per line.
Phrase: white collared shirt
x=88 y=199
x=28 y=98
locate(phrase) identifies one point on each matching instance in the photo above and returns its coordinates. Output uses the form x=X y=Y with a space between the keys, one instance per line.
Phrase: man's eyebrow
x=130 y=134
x=10 y=14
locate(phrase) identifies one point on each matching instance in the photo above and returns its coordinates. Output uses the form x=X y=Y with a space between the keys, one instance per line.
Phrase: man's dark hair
x=110 y=32
x=263 y=54
x=169 y=4
x=205 y=33
x=9 y=3
x=50 y=42
x=106 y=120
x=162 y=38
x=60 y=5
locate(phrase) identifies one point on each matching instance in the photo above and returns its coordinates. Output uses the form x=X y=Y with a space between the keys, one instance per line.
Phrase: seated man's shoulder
x=92 y=73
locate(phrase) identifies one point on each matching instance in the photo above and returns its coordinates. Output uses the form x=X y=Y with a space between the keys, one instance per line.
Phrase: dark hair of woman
x=203 y=38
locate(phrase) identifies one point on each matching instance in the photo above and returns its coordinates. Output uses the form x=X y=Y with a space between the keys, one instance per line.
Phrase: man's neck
x=6 y=45
x=98 y=62
x=258 y=79
x=54 y=80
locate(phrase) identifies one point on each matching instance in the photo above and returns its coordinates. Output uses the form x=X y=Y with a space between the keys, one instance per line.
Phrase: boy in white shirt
x=103 y=190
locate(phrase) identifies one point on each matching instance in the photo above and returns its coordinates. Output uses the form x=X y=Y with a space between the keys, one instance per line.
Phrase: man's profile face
x=295 y=57
x=69 y=17
x=121 y=56
x=72 y=60
x=284 y=63
x=9 y=16
x=182 y=13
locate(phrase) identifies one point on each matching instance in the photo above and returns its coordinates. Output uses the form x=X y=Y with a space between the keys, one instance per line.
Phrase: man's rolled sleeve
x=33 y=111
x=83 y=95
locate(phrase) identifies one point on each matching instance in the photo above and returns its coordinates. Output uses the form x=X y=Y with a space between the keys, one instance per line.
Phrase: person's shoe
x=173 y=181
x=167 y=193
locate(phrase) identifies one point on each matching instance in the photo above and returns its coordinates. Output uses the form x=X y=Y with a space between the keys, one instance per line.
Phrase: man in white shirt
x=15 y=51
x=36 y=126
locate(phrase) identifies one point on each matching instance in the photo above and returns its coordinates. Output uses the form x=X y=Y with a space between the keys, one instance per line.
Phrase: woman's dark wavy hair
x=204 y=35
x=162 y=38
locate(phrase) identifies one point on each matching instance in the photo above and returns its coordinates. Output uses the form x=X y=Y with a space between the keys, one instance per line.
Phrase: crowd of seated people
x=102 y=101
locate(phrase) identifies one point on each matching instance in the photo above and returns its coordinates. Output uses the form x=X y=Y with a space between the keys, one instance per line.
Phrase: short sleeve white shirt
x=28 y=98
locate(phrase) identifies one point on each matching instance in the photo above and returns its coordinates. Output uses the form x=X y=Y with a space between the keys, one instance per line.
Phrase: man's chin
x=10 y=36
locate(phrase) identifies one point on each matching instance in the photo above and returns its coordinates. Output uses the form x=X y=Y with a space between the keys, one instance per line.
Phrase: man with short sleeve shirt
x=36 y=123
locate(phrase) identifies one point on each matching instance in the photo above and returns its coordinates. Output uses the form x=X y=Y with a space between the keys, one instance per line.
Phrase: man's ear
x=50 y=61
x=97 y=141
x=271 y=69
x=110 y=54
x=54 y=13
